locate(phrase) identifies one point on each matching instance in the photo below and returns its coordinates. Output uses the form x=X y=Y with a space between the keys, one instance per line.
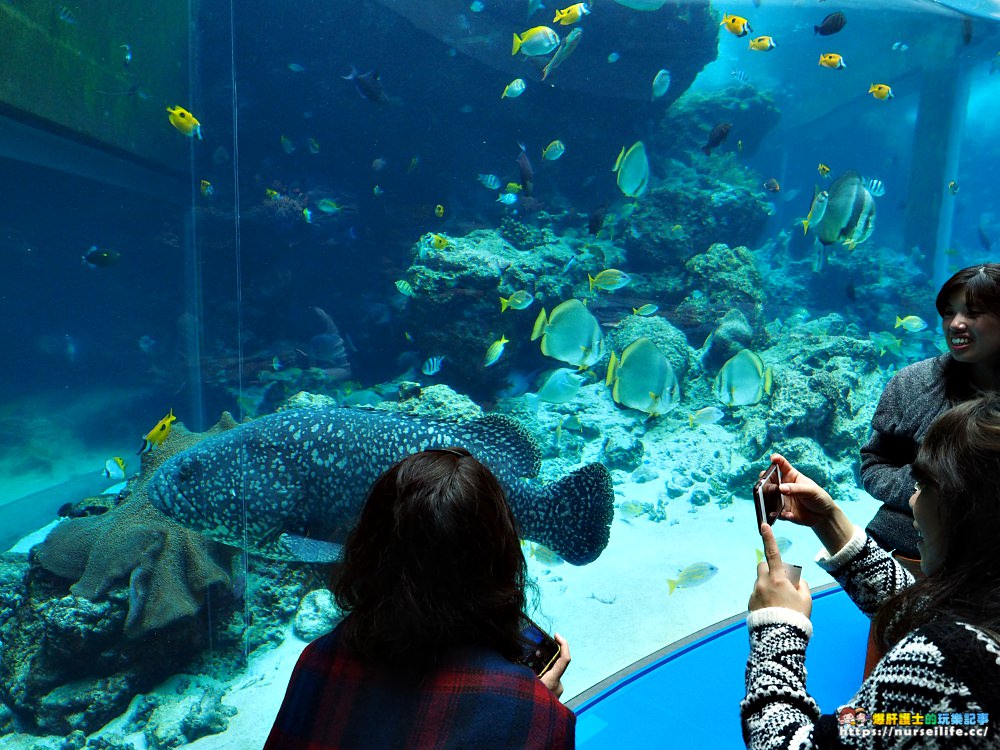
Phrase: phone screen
x=540 y=650
x=768 y=501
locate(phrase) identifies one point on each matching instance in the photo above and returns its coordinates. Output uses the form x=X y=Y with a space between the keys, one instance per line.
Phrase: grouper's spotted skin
x=304 y=473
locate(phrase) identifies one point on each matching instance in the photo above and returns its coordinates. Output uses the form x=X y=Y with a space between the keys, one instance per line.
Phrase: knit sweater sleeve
x=910 y=402
x=867 y=573
x=942 y=669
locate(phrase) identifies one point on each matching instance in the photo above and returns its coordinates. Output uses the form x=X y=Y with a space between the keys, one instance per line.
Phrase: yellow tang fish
x=572 y=14
x=158 y=434
x=832 y=60
x=513 y=187
x=823 y=170
x=880 y=91
x=693 y=575
x=763 y=44
x=736 y=24
x=185 y=122
x=439 y=210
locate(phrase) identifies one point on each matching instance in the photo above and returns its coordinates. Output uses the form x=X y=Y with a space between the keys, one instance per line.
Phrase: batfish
x=850 y=212
x=291 y=485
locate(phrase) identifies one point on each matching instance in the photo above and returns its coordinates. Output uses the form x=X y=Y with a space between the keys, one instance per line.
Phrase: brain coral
x=166 y=567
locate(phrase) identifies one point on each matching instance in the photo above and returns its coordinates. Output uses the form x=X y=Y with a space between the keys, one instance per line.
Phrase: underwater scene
x=621 y=250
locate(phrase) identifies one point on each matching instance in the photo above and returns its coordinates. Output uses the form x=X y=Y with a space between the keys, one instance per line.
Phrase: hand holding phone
x=540 y=650
x=768 y=500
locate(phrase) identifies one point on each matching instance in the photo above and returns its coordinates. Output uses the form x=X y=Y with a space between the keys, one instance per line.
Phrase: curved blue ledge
x=688 y=694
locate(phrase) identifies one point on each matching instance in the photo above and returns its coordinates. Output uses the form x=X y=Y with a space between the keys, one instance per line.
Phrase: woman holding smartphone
x=433 y=587
x=940 y=634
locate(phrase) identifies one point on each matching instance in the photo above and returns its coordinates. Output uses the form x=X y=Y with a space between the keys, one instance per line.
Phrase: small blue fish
x=433 y=365
x=489 y=181
x=508 y=199
x=296 y=68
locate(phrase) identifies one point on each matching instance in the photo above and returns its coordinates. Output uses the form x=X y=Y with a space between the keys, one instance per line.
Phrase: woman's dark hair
x=981 y=285
x=959 y=459
x=434 y=562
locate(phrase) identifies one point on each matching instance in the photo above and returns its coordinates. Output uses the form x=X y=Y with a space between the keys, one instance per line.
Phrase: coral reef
x=317 y=615
x=718 y=281
x=66 y=663
x=691 y=210
x=684 y=128
x=167 y=567
x=462 y=284
x=189 y=720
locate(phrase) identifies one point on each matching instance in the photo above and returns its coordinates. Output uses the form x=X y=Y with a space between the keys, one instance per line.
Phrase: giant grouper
x=290 y=485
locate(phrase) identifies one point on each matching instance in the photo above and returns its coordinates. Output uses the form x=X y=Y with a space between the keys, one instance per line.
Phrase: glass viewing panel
x=659 y=250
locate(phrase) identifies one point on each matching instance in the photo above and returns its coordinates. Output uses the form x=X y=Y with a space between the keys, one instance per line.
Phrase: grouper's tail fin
x=572 y=517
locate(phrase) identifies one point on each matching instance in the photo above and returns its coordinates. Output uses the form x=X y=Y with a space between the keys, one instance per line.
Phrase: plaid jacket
x=476 y=699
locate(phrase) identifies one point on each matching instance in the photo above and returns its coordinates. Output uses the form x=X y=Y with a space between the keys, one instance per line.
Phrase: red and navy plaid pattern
x=476 y=699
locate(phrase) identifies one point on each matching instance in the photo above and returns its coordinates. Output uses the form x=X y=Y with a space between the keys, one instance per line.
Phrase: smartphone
x=767 y=500
x=540 y=649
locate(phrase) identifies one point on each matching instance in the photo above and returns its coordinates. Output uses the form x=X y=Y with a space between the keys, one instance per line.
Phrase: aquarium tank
x=623 y=251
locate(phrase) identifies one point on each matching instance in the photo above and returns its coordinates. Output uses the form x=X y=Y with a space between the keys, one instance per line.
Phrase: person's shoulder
x=924 y=373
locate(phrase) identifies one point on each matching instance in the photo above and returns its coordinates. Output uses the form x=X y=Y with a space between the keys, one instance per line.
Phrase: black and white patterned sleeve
x=868 y=574
x=777 y=711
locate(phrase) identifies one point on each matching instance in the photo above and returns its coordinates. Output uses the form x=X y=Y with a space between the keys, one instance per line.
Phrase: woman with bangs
x=969 y=306
x=939 y=633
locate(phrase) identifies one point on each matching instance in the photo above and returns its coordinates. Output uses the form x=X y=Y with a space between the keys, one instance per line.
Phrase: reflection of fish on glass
x=327 y=350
